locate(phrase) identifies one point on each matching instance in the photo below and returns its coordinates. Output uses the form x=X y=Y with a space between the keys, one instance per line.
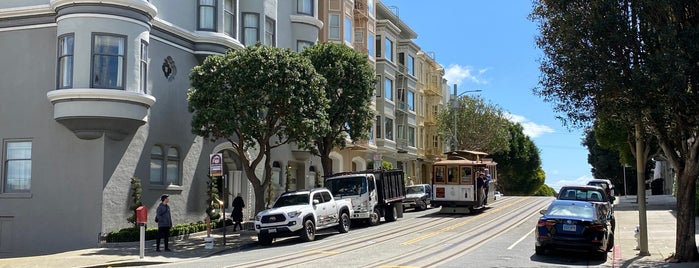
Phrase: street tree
x=350 y=89
x=480 y=126
x=258 y=99
x=635 y=61
x=519 y=166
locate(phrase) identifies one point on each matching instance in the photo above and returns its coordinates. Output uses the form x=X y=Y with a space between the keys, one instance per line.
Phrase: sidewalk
x=660 y=216
x=661 y=224
x=127 y=254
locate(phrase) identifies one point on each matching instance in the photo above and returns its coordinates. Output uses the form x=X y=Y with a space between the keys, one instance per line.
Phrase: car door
x=331 y=208
x=321 y=209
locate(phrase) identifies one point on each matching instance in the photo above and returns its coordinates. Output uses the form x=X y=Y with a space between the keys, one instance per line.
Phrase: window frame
x=270 y=31
x=410 y=100
x=370 y=45
x=388 y=91
x=388 y=125
x=300 y=6
x=230 y=19
x=214 y=6
x=388 y=50
x=334 y=28
x=123 y=57
x=348 y=33
x=379 y=127
x=143 y=67
x=410 y=64
x=60 y=56
x=165 y=159
x=303 y=44
x=6 y=166
x=244 y=26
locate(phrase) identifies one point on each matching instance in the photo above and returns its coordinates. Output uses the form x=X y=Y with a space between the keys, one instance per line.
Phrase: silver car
x=418 y=196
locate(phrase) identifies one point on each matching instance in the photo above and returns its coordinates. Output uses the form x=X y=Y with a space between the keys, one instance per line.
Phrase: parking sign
x=216 y=164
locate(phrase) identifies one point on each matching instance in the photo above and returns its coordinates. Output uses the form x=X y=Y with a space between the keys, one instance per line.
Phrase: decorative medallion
x=169 y=69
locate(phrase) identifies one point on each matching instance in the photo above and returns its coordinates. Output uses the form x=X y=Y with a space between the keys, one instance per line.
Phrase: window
x=388 y=89
x=348 y=30
x=207 y=15
x=65 y=60
x=269 y=31
x=377 y=86
x=229 y=17
x=304 y=7
x=108 y=61
x=250 y=28
x=389 y=50
x=411 y=136
x=143 y=75
x=466 y=176
x=452 y=175
x=435 y=141
x=301 y=45
x=17 y=167
x=389 y=129
x=370 y=45
x=411 y=63
x=370 y=3
x=411 y=100
x=164 y=168
x=378 y=127
x=371 y=135
x=334 y=27
x=439 y=174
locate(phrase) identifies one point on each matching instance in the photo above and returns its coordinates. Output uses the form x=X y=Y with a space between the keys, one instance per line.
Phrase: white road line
x=520 y=240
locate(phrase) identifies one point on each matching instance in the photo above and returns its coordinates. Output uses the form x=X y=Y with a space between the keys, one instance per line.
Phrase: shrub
x=131 y=234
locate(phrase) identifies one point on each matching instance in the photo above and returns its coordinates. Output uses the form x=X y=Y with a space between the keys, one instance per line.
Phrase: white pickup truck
x=302 y=213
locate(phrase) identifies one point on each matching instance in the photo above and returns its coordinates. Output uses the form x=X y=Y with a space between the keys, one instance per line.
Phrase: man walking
x=162 y=217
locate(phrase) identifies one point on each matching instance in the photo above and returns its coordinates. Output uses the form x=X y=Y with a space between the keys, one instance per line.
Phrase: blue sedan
x=574 y=225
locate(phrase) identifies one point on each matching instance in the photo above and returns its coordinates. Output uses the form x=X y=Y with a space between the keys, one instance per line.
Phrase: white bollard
x=636 y=234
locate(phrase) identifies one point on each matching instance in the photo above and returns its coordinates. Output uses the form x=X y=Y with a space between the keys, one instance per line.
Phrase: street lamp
x=454 y=105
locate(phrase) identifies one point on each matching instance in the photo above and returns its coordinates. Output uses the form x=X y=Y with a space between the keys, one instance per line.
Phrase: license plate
x=569 y=227
x=274 y=230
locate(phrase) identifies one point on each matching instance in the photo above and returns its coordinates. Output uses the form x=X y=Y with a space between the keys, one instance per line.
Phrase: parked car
x=496 y=195
x=607 y=185
x=302 y=213
x=418 y=196
x=574 y=225
x=589 y=193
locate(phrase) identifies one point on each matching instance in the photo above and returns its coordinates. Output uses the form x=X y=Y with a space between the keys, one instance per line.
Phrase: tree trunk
x=259 y=198
x=685 y=244
x=324 y=150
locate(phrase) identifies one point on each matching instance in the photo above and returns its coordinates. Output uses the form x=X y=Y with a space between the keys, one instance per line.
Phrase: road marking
x=449 y=228
x=520 y=240
x=616 y=262
x=322 y=252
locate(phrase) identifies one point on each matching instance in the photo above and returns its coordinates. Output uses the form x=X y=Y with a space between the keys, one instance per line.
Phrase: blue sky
x=489 y=45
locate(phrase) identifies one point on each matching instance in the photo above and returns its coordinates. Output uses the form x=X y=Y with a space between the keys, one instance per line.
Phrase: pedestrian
x=480 y=184
x=164 y=220
x=237 y=214
x=486 y=187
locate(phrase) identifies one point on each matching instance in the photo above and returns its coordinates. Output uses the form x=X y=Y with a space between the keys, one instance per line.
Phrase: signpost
x=216 y=164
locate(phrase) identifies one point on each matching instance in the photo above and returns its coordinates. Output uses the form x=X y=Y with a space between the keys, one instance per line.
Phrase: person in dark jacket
x=164 y=220
x=480 y=185
x=237 y=214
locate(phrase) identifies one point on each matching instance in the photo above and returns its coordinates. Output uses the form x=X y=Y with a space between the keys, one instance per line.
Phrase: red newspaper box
x=141 y=214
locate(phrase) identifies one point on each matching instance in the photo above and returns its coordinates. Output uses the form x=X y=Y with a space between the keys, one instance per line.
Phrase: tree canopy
x=258 y=98
x=634 y=61
x=350 y=89
x=519 y=166
x=480 y=126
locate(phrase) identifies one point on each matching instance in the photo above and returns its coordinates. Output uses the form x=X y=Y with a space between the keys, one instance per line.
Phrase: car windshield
x=568 y=210
x=347 y=186
x=292 y=200
x=415 y=190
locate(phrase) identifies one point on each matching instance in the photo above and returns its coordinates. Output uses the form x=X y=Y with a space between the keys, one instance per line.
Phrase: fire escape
x=361 y=18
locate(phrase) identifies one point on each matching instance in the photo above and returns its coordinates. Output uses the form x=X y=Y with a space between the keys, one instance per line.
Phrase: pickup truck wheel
x=422 y=206
x=264 y=240
x=374 y=217
x=344 y=224
x=308 y=233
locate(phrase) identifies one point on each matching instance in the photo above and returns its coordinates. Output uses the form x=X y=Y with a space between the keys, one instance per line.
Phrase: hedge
x=132 y=234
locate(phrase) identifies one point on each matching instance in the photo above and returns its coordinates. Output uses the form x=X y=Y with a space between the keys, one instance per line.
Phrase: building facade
x=93 y=94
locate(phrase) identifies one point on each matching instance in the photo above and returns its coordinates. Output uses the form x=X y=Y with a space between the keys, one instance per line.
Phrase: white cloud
x=530 y=129
x=457 y=74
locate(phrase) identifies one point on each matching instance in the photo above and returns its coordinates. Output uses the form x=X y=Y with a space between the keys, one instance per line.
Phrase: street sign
x=216 y=164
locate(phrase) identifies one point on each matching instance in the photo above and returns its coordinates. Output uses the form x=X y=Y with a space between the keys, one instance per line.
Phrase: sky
x=489 y=45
